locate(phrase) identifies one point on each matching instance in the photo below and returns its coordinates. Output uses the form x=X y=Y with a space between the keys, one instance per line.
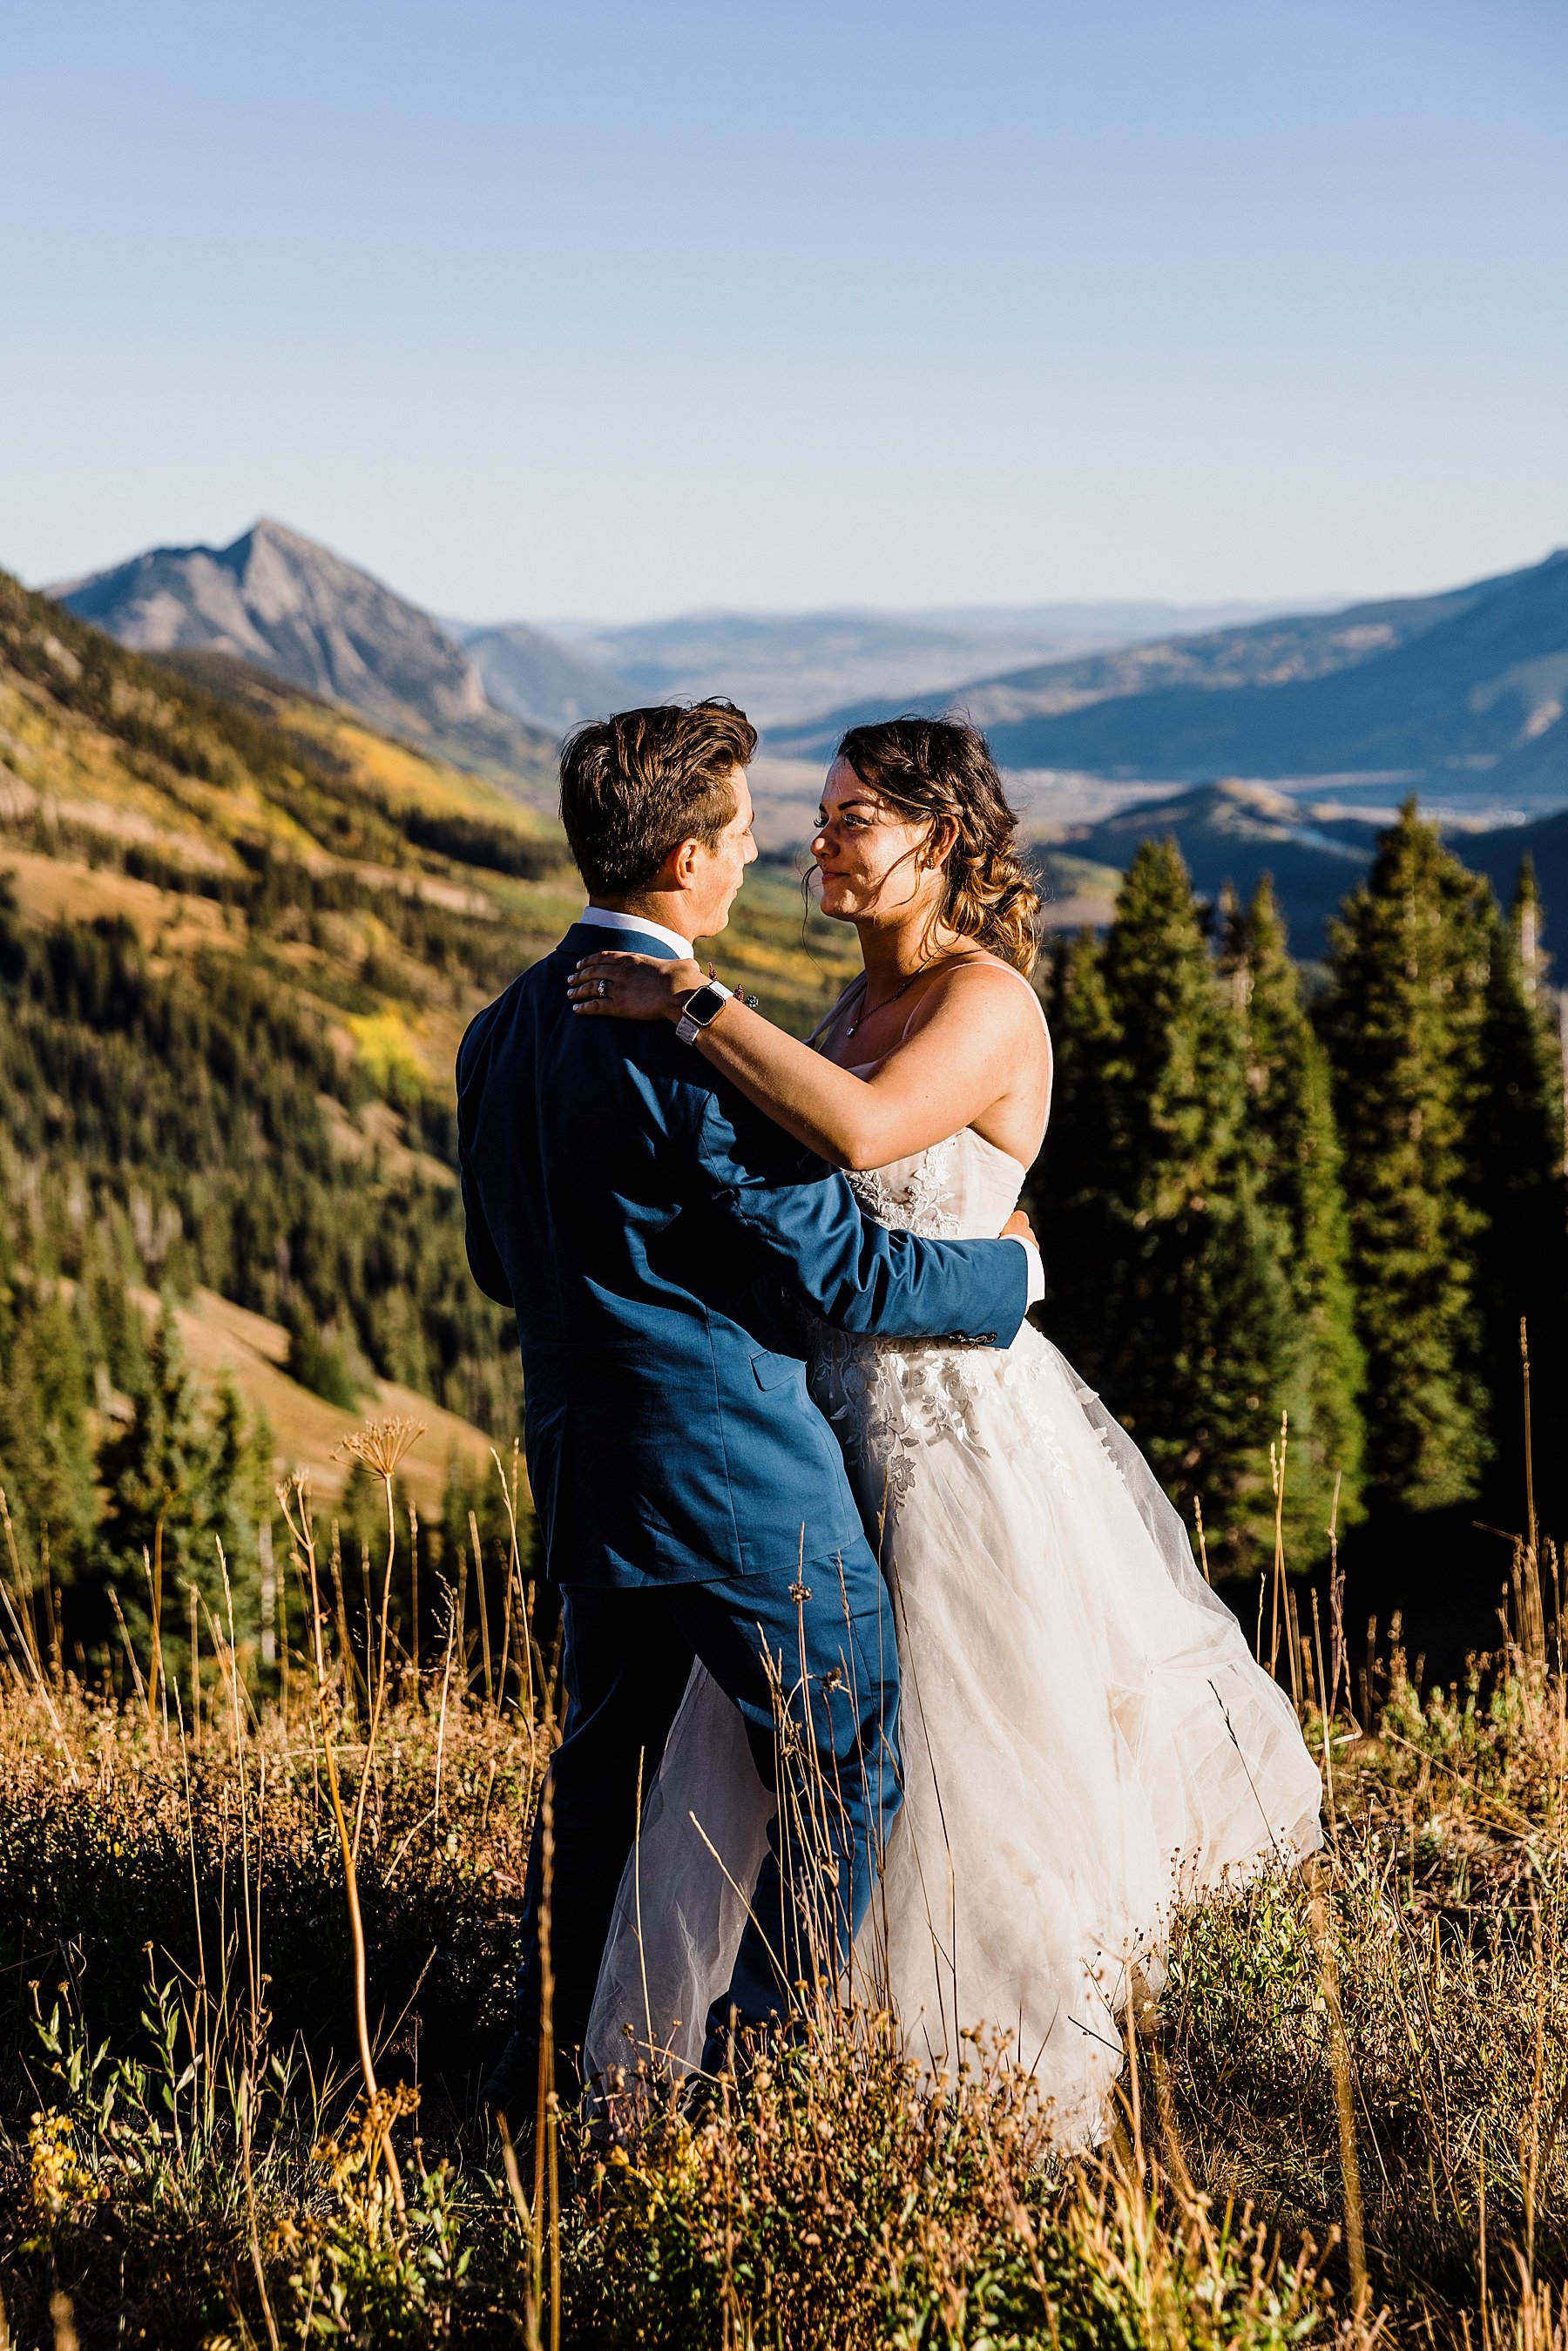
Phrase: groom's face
x=716 y=874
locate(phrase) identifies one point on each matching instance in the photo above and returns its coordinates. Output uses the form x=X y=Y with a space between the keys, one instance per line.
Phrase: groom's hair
x=634 y=786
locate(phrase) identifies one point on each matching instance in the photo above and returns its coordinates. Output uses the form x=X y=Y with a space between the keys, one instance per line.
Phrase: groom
x=652 y=1234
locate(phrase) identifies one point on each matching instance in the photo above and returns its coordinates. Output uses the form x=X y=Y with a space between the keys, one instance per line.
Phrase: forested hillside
x=1341 y=1217
x=240 y=937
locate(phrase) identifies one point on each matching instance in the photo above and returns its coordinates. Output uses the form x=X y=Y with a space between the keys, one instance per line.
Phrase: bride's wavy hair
x=937 y=768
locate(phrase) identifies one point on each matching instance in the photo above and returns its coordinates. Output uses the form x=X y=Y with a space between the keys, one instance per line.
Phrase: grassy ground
x=1345 y=2120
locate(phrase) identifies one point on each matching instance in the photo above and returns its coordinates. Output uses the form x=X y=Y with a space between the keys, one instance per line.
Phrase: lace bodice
x=888 y=1397
x=964 y=1188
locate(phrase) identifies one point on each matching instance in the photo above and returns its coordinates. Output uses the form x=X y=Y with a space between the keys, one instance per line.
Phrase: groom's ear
x=680 y=866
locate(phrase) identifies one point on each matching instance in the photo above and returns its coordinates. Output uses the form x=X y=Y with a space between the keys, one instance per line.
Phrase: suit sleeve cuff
x=1036 y=1269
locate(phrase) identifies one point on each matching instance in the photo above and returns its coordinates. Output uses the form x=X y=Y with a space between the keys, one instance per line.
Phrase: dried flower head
x=381 y=1444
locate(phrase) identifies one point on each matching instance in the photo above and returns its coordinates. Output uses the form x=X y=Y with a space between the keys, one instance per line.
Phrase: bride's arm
x=977 y=1037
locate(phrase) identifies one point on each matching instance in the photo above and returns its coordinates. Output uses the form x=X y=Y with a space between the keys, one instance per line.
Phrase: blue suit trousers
x=812 y=1666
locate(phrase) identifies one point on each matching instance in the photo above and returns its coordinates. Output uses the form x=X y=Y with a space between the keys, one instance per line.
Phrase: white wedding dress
x=1087 y=1740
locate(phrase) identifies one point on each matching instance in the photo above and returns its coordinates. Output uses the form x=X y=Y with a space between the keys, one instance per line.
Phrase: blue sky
x=616 y=309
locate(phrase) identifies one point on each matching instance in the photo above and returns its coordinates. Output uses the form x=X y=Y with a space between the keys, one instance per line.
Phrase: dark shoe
x=737 y=2050
x=699 y=2095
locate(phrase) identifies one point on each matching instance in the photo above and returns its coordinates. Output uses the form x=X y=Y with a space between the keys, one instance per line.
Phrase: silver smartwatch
x=702 y=1005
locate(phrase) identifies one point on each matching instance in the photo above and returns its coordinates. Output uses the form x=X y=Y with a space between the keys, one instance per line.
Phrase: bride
x=1087 y=1740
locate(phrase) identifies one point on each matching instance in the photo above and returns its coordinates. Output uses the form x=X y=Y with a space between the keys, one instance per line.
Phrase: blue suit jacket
x=646 y=1226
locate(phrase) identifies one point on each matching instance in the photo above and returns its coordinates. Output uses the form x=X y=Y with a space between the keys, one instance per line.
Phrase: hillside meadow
x=255 y=1950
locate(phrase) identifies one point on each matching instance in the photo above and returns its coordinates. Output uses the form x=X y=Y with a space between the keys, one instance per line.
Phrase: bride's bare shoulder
x=984 y=988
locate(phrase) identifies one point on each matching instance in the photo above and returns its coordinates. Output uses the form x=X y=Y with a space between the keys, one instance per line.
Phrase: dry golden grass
x=1343 y=2121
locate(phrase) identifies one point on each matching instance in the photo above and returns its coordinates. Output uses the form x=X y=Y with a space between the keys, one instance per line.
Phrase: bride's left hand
x=634 y=987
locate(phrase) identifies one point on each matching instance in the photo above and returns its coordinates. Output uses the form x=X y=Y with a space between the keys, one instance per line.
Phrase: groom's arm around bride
x=642 y=1222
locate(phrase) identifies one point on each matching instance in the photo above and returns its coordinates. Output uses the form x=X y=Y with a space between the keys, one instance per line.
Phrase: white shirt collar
x=608 y=919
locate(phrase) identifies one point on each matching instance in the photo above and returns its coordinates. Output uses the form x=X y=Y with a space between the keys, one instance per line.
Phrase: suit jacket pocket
x=774 y=1371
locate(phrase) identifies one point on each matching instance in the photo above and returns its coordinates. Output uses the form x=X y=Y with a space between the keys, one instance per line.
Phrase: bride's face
x=870 y=856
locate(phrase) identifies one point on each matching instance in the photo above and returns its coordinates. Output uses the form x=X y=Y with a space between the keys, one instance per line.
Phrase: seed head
x=380 y=1444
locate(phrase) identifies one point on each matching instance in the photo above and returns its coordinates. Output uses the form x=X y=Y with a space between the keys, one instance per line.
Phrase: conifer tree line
x=1338 y=1213
x=161 y=1130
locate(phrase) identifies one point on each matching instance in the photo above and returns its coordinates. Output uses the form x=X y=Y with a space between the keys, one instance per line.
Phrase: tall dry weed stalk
x=1343 y=2119
x=293 y=1500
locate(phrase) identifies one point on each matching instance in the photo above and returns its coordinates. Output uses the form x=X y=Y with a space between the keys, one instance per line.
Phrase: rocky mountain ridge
x=283 y=604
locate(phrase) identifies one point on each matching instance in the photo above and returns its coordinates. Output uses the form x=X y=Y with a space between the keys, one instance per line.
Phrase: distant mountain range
x=1460 y=695
x=496 y=697
x=541 y=679
x=783 y=667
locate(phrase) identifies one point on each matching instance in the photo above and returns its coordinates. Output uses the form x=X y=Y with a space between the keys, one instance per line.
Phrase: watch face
x=705 y=1003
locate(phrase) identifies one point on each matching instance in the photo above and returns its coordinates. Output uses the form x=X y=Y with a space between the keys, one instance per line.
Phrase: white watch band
x=688 y=1030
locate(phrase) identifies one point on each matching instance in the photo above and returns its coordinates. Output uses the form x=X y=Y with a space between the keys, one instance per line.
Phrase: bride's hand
x=620 y=987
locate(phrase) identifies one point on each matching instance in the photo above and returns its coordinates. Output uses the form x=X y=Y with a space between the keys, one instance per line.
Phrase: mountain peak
x=267 y=531
x=283 y=602
x=280 y=601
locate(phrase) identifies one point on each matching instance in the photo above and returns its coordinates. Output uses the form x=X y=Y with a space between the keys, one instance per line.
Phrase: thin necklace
x=868 y=1011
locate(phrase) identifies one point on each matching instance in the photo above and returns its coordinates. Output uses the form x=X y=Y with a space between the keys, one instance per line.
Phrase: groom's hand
x=1019 y=1229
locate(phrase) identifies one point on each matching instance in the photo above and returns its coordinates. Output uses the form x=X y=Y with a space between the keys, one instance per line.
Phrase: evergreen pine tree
x=109 y=1271
x=1200 y=1353
x=241 y=1484
x=1071 y=1189
x=1410 y=958
x=1515 y=1155
x=164 y=1500
x=46 y=1453
x=1293 y=1145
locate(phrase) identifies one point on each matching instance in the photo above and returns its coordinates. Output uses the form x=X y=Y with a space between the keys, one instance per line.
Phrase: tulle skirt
x=1087 y=1741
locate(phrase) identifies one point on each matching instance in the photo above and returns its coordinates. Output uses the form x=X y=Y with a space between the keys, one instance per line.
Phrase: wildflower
x=61 y=2182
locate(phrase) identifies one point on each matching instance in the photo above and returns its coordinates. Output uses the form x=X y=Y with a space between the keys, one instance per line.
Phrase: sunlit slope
x=241 y=933
x=195 y=796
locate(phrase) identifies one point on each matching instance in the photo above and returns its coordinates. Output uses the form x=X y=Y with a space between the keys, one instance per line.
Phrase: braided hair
x=939 y=767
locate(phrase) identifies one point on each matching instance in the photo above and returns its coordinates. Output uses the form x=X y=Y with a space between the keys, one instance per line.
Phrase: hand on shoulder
x=615 y=984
